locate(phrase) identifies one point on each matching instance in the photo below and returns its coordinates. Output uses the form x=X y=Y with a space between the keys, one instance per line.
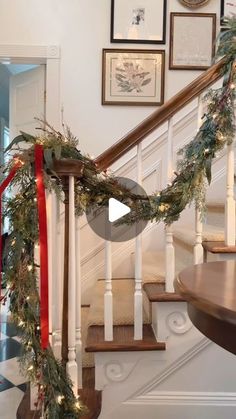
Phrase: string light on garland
x=60 y=399
x=77 y=405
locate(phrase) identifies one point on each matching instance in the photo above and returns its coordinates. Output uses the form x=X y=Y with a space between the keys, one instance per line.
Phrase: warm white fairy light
x=60 y=399
x=13 y=242
x=30 y=267
x=214 y=115
x=77 y=405
x=27 y=298
x=29 y=345
x=38 y=327
x=31 y=367
x=21 y=323
x=206 y=151
x=232 y=86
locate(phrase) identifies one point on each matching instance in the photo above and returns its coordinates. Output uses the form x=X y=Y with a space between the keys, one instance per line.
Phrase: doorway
x=22 y=99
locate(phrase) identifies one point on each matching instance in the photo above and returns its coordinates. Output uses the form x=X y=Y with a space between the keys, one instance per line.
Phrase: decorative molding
x=172 y=368
x=53 y=51
x=158 y=142
x=37 y=53
x=183 y=398
x=155 y=168
x=178 y=322
x=115 y=371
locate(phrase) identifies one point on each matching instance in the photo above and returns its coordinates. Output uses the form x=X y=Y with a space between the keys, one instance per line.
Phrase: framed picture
x=133 y=77
x=138 y=21
x=192 y=40
x=228 y=9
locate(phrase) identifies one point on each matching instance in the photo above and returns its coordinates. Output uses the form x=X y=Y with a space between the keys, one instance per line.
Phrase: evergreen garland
x=91 y=192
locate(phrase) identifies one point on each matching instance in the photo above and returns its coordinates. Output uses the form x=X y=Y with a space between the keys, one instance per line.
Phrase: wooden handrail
x=160 y=116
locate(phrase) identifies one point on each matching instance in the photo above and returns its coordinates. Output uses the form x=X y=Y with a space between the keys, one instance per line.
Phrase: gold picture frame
x=133 y=77
x=190 y=47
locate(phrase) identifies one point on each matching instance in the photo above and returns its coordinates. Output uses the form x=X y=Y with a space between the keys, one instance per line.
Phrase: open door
x=27 y=100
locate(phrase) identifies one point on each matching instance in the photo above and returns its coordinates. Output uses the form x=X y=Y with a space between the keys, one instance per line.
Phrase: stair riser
x=183 y=252
x=169 y=318
x=216 y=217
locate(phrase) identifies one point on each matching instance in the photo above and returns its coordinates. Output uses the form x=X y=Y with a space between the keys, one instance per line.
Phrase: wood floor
x=24 y=411
x=90 y=397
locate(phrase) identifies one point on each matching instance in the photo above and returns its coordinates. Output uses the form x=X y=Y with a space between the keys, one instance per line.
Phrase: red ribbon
x=42 y=215
x=3 y=186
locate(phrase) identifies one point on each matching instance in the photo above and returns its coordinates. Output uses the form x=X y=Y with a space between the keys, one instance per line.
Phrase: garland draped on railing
x=91 y=192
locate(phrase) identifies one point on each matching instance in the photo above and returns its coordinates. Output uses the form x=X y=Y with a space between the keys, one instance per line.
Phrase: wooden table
x=210 y=292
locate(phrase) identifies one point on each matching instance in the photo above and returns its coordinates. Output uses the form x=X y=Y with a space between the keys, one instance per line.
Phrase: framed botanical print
x=133 y=77
x=138 y=21
x=192 y=40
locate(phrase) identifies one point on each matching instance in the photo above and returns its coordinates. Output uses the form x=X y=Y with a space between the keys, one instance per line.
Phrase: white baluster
x=230 y=202
x=78 y=305
x=50 y=239
x=138 y=296
x=198 y=251
x=33 y=387
x=71 y=364
x=58 y=286
x=170 y=250
x=108 y=297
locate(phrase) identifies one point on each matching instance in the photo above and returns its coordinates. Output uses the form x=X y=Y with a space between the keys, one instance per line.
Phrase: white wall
x=82 y=29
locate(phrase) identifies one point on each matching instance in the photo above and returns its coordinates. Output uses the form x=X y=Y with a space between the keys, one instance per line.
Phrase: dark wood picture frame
x=147 y=38
x=177 y=61
x=223 y=11
x=133 y=77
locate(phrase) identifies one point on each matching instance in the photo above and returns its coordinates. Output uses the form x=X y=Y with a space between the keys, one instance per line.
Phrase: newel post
x=68 y=170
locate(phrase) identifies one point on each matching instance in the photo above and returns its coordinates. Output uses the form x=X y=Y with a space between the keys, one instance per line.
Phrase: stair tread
x=216 y=206
x=218 y=247
x=123 y=340
x=157 y=293
x=123 y=303
x=187 y=234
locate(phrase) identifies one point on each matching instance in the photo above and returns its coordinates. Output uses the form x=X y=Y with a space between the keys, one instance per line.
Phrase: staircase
x=132 y=373
x=136 y=350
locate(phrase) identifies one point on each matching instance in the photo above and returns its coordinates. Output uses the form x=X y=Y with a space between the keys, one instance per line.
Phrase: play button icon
x=109 y=220
x=116 y=210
